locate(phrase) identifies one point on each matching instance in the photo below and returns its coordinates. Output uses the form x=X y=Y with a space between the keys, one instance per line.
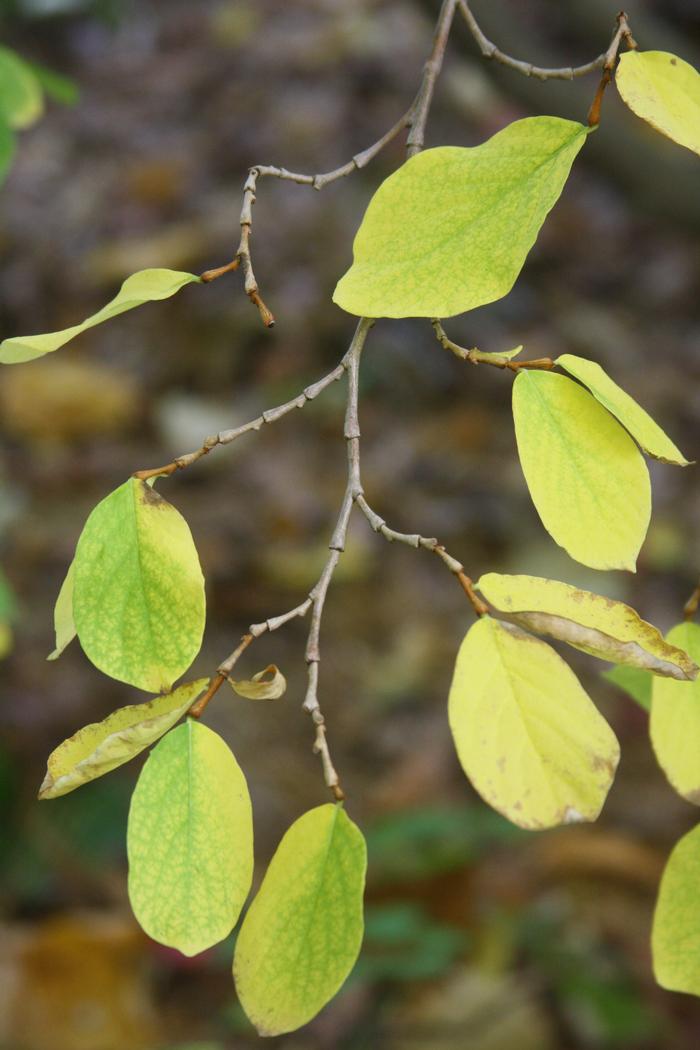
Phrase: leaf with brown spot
x=102 y=746
x=602 y=627
x=527 y=735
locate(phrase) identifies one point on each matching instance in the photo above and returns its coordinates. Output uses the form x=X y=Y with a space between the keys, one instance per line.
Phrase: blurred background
x=479 y=935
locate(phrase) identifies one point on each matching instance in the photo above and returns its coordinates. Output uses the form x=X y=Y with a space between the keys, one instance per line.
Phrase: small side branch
x=412 y=539
x=479 y=357
x=431 y=71
x=227 y=437
x=489 y=50
x=622 y=32
x=254 y=631
x=353 y=489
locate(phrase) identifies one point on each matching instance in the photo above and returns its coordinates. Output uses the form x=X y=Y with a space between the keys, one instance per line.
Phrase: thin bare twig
x=254 y=631
x=489 y=50
x=353 y=489
x=431 y=71
x=622 y=32
x=226 y=437
x=412 y=539
x=479 y=357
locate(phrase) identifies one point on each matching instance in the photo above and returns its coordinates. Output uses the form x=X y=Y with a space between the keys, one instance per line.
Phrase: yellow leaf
x=675 y=938
x=675 y=721
x=587 y=478
x=102 y=746
x=528 y=737
x=663 y=90
x=648 y=434
x=600 y=626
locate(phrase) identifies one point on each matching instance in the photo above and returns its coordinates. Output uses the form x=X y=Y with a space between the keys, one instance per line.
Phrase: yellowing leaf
x=142 y=287
x=527 y=735
x=138 y=590
x=6 y=639
x=663 y=90
x=633 y=681
x=102 y=746
x=64 y=625
x=586 y=476
x=21 y=99
x=648 y=434
x=190 y=840
x=675 y=938
x=675 y=721
x=450 y=230
x=269 y=684
x=302 y=933
x=600 y=626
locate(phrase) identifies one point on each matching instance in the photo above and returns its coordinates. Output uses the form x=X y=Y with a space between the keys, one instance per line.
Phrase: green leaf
x=675 y=938
x=269 y=684
x=142 y=287
x=138 y=590
x=675 y=721
x=302 y=933
x=8 y=603
x=102 y=746
x=527 y=735
x=59 y=88
x=450 y=230
x=21 y=100
x=648 y=434
x=64 y=625
x=633 y=681
x=587 y=478
x=664 y=91
x=190 y=840
x=7 y=150
x=600 y=626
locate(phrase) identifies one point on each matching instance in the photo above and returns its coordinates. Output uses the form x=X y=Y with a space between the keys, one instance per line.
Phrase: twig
x=489 y=50
x=431 y=71
x=622 y=32
x=353 y=489
x=317 y=596
x=479 y=357
x=691 y=606
x=414 y=118
x=378 y=524
x=226 y=437
x=254 y=631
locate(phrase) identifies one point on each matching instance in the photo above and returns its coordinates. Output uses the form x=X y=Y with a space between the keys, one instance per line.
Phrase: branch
x=431 y=71
x=479 y=357
x=622 y=32
x=489 y=50
x=254 y=631
x=226 y=437
x=378 y=524
x=353 y=489
x=317 y=596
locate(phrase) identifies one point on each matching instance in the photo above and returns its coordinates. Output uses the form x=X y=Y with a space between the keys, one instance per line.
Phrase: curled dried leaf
x=269 y=684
